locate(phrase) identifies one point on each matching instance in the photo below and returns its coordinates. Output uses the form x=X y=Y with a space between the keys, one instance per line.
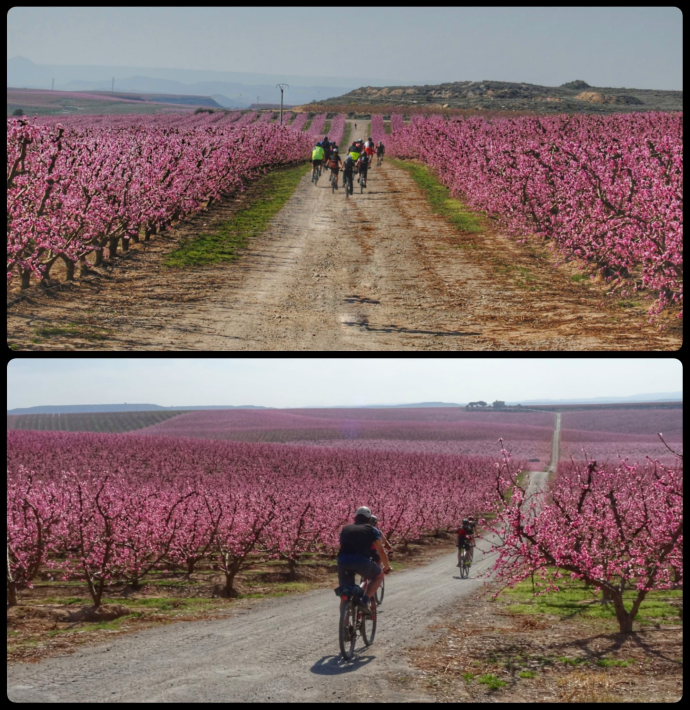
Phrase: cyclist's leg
x=346 y=578
x=374 y=574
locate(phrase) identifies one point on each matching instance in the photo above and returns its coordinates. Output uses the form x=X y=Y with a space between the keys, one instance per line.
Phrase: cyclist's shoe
x=363 y=604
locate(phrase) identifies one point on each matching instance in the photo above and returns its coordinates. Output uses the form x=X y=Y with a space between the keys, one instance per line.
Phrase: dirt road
x=284 y=650
x=377 y=271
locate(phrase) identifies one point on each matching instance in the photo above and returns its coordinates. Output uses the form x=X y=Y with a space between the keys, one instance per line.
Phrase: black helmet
x=465 y=521
x=374 y=520
x=335 y=150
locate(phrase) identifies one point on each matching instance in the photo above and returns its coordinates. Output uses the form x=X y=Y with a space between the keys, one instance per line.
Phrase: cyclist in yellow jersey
x=317 y=155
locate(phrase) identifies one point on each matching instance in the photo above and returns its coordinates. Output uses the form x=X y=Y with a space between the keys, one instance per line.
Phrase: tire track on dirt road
x=283 y=650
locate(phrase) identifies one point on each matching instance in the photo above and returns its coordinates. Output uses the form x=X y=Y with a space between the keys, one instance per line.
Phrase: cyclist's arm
x=382 y=553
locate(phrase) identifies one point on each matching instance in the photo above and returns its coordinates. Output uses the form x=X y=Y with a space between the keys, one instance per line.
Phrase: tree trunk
x=230 y=572
x=135 y=238
x=25 y=276
x=99 y=256
x=83 y=266
x=112 y=246
x=191 y=564
x=292 y=570
x=11 y=584
x=125 y=244
x=624 y=618
x=69 y=267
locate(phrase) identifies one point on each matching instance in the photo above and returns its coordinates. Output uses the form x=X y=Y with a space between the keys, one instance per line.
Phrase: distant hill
x=572 y=97
x=229 y=89
x=87 y=408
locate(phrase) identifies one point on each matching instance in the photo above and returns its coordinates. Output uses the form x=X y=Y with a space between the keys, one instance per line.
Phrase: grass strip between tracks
x=457 y=213
x=227 y=238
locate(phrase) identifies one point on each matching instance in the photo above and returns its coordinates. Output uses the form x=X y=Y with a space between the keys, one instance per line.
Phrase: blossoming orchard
x=103 y=509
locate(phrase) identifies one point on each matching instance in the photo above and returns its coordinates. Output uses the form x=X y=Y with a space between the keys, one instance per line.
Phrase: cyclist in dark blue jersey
x=354 y=556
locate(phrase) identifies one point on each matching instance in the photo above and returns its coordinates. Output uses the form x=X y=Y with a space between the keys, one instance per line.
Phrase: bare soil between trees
x=377 y=271
x=545 y=658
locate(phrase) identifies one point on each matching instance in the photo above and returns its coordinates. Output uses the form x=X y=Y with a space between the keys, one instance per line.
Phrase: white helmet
x=363 y=511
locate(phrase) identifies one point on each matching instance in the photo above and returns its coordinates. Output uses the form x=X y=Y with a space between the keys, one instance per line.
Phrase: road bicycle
x=353 y=621
x=465 y=562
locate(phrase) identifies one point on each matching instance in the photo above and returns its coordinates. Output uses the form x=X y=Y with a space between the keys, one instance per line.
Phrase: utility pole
x=53 y=86
x=112 y=86
x=282 y=87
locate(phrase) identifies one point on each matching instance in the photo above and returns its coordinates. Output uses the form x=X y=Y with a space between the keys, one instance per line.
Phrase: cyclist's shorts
x=370 y=151
x=464 y=543
x=316 y=163
x=350 y=565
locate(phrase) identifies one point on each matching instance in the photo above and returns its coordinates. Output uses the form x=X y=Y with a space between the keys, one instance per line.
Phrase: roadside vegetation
x=228 y=238
x=557 y=647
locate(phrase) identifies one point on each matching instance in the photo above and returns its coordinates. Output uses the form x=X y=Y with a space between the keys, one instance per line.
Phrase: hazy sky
x=299 y=382
x=635 y=47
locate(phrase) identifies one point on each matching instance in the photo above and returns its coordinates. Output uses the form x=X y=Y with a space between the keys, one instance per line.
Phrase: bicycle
x=353 y=621
x=349 y=188
x=380 y=160
x=315 y=174
x=379 y=592
x=465 y=562
x=362 y=183
x=334 y=181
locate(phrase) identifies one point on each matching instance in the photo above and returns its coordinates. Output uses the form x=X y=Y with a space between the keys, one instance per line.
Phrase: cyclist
x=348 y=169
x=473 y=525
x=465 y=538
x=369 y=147
x=375 y=555
x=354 y=555
x=317 y=157
x=354 y=151
x=363 y=167
x=380 y=150
x=327 y=148
x=335 y=164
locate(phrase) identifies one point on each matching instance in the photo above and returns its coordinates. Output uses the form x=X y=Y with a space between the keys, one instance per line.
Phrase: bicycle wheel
x=369 y=624
x=463 y=571
x=379 y=593
x=361 y=185
x=348 y=630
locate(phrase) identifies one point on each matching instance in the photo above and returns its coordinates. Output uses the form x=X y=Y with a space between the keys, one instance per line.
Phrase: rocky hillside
x=573 y=97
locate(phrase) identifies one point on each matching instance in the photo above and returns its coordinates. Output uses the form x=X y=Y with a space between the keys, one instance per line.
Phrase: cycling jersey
x=348 y=167
x=463 y=537
x=357 y=540
x=317 y=153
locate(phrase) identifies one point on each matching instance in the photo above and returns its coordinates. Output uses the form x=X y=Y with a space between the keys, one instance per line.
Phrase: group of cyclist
x=359 y=157
x=363 y=551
